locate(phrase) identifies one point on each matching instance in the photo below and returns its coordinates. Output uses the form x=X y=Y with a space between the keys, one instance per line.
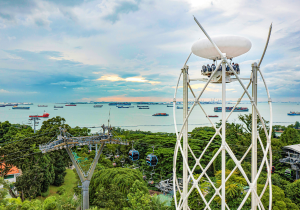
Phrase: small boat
x=58 y=106
x=144 y=107
x=42 y=105
x=70 y=105
x=55 y=109
x=213 y=116
x=293 y=113
x=45 y=115
x=98 y=106
x=20 y=107
x=160 y=114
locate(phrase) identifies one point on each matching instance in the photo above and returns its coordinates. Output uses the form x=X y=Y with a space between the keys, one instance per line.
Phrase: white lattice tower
x=182 y=146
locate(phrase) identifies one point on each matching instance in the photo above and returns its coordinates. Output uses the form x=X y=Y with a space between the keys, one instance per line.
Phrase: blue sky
x=111 y=50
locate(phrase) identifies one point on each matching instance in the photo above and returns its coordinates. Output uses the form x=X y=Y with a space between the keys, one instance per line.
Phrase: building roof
x=13 y=170
x=295 y=147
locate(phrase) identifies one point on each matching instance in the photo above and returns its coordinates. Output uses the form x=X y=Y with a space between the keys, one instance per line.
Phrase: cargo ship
x=293 y=113
x=213 y=116
x=42 y=105
x=58 y=106
x=119 y=104
x=228 y=109
x=160 y=114
x=2 y=105
x=45 y=115
x=11 y=104
x=70 y=105
x=180 y=107
x=141 y=106
x=98 y=106
x=145 y=107
x=20 y=107
x=125 y=106
x=169 y=105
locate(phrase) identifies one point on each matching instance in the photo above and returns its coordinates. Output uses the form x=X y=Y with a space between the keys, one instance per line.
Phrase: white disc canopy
x=233 y=46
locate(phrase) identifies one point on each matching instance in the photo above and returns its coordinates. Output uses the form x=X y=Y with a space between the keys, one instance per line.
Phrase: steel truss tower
x=182 y=147
x=67 y=142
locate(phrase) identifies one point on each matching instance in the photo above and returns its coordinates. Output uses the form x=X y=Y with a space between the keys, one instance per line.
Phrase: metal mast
x=254 y=136
x=185 y=134
x=223 y=132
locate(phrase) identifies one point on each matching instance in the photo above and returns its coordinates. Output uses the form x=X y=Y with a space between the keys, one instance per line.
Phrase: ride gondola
x=151 y=160
x=134 y=155
x=288 y=173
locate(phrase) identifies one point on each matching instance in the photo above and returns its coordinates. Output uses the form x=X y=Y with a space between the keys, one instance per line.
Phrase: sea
x=85 y=115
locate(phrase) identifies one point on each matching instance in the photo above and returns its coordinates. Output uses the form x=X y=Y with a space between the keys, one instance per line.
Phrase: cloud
x=11 y=38
x=3 y=91
x=123 y=7
x=132 y=44
x=17 y=92
x=114 y=78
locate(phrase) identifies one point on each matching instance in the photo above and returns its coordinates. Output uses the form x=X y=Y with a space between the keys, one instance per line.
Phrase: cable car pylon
x=67 y=142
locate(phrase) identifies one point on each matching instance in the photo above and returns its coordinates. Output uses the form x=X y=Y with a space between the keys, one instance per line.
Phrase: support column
x=254 y=201
x=34 y=125
x=223 y=133
x=85 y=194
x=185 y=135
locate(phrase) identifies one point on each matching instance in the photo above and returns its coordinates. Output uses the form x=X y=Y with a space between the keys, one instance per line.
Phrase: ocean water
x=85 y=115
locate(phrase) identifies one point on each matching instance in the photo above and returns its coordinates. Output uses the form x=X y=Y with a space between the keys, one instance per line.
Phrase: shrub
x=46 y=194
x=61 y=190
x=50 y=203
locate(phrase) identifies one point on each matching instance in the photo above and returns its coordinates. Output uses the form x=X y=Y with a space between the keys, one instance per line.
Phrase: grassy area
x=69 y=183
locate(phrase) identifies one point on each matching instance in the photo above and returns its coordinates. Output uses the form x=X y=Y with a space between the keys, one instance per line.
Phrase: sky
x=133 y=50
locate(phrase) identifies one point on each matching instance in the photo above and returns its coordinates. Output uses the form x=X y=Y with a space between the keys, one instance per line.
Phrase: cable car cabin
x=272 y=170
x=289 y=173
x=134 y=155
x=151 y=160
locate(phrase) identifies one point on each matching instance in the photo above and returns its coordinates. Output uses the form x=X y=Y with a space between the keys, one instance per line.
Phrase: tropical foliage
x=119 y=183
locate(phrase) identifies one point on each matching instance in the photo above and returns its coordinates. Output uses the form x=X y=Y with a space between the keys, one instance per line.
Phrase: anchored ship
x=180 y=107
x=144 y=107
x=160 y=114
x=293 y=113
x=119 y=104
x=125 y=106
x=58 y=106
x=98 y=106
x=20 y=107
x=228 y=109
x=45 y=115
